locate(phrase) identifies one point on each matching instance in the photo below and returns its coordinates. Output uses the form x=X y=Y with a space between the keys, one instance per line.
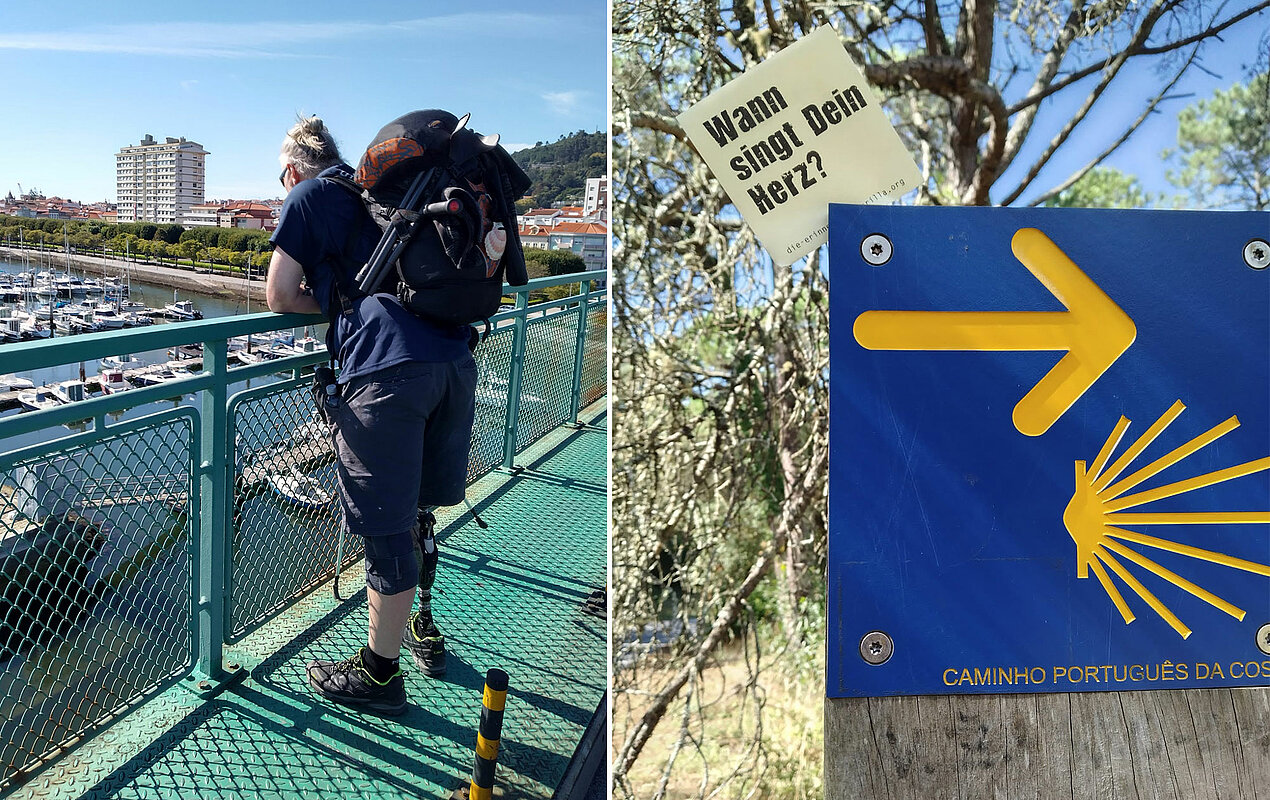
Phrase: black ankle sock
x=380 y=668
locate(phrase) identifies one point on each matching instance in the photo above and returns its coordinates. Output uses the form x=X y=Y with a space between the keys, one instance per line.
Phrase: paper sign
x=795 y=133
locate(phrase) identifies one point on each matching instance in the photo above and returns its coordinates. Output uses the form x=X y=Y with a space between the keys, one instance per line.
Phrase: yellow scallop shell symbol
x=1098 y=512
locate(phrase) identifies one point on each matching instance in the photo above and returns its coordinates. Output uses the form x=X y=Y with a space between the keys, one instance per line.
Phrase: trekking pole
x=339 y=561
x=400 y=230
x=475 y=516
x=372 y=270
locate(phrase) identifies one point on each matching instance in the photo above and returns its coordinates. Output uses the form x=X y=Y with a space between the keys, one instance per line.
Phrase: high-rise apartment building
x=597 y=197
x=159 y=181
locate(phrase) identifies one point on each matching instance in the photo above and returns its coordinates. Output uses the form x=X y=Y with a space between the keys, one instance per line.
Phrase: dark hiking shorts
x=402 y=436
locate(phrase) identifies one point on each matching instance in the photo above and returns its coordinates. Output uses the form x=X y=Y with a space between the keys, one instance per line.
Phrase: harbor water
x=134 y=488
x=155 y=297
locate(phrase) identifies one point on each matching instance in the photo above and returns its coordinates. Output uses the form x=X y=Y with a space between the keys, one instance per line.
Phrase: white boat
x=266 y=352
x=157 y=374
x=113 y=381
x=116 y=288
x=38 y=399
x=10 y=329
x=257 y=341
x=121 y=362
x=69 y=391
x=303 y=490
x=12 y=383
x=182 y=309
x=109 y=319
x=33 y=327
x=308 y=345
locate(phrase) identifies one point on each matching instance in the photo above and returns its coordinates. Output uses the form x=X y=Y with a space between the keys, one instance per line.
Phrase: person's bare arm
x=282 y=288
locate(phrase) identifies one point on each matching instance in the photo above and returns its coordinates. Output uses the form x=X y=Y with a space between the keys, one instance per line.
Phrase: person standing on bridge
x=401 y=416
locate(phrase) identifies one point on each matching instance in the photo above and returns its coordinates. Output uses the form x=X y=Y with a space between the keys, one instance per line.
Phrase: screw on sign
x=876 y=647
x=1257 y=254
x=876 y=249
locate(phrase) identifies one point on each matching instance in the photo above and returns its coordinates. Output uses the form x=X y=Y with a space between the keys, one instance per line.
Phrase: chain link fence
x=595 y=355
x=102 y=531
x=285 y=521
x=493 y=360
x=286 y=515
x=547 y=383
x=95 y=581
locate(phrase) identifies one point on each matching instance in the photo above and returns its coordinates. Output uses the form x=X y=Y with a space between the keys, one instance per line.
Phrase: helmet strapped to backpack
x=438 y=191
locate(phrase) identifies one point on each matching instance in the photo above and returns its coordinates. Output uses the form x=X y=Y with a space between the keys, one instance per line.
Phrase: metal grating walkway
x=509 y=596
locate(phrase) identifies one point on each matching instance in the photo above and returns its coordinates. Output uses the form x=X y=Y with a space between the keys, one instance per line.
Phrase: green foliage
x=1103 y=187
x=1223 y=148
x=170 y=233
x=559 y=170
x=233 y=247
x=237 y=239
x=544 y=263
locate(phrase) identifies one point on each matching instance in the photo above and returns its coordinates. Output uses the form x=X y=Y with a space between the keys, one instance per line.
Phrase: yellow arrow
x=1093 y=330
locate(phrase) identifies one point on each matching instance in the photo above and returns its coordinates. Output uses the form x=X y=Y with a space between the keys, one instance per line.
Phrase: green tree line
x=231 y=247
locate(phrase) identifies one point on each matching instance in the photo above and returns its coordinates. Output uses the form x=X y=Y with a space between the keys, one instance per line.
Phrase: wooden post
x=1193 y=744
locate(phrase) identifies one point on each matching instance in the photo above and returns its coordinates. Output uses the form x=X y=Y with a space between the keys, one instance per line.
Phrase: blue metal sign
x=1049 y=450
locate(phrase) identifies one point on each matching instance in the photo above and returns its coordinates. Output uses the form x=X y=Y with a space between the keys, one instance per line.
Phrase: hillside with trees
x=560 y=169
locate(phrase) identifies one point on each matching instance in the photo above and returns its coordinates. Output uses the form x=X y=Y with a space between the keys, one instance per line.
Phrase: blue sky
x=85 y=78
x=1221 y=64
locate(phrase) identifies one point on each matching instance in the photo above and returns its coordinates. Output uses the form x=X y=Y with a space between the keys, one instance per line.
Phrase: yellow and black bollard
x=487 y=735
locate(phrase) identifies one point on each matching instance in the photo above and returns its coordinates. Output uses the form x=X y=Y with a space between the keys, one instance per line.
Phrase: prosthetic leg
x=422 y=637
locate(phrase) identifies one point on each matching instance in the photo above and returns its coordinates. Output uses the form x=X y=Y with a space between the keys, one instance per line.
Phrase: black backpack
x=439 y=192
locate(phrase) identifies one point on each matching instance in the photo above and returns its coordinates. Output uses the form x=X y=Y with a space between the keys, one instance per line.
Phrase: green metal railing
x=133 y=550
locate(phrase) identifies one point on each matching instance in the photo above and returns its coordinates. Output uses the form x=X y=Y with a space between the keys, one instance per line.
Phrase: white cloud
x=512 y=147
x=188 y=85
x=563 y=103
x=257 y=38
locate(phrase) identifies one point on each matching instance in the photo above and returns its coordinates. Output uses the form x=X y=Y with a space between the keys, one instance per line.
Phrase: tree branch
x=951 y=78
x=1138 y=50
x=936 y=41
x=1044 y=77
x=1080 y=173
x=1113 y=69
x=650 y=120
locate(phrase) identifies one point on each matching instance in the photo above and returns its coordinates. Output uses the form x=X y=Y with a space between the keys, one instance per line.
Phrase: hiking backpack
x=438 y=192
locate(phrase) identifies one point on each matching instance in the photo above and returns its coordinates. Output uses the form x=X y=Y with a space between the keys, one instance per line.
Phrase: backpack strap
x=344 y=264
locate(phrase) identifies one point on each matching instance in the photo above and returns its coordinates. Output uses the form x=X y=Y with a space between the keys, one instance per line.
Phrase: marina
x=39 y=302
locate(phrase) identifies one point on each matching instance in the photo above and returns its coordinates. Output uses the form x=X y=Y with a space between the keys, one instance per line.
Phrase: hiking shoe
x=350 y=682
x=428 y=651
